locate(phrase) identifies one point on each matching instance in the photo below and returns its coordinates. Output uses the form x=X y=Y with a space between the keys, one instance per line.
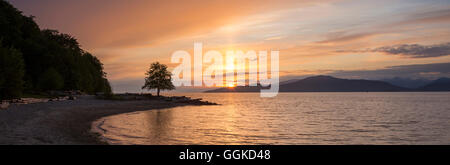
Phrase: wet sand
x=66 y=122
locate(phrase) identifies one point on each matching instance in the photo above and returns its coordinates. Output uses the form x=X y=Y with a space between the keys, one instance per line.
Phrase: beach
x=67 y=122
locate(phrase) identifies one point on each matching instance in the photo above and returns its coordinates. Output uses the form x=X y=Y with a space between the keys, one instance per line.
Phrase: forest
x=34 y=60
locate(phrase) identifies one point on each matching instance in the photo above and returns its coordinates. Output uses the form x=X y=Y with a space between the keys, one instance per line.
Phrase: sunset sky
x=345 y=38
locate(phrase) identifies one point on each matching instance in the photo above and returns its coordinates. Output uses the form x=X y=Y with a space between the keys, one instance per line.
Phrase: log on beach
x=4 y=105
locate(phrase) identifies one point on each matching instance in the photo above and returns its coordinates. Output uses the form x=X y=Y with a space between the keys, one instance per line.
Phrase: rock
x=4 y=105
x=15 y=101
x=72 y=98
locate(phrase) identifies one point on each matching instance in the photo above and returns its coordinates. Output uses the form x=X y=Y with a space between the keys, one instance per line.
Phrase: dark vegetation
x=35 y=61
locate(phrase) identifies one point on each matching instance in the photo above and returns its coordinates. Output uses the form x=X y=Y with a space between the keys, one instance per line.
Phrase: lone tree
x=158 y=78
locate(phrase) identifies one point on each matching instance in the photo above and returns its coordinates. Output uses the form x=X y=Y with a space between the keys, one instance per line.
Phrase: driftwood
x=4 y=105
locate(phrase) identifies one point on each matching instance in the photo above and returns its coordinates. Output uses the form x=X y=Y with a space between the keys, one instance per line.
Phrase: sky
x=344 y=38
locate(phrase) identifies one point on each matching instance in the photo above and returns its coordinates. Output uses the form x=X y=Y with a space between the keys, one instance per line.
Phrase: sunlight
x=231 y=85
x=230 y=28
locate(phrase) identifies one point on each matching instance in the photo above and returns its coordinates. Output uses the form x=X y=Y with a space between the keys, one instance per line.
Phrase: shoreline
x=69 y=122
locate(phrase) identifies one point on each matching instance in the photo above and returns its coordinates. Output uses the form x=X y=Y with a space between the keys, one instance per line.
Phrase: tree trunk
x=157 y=92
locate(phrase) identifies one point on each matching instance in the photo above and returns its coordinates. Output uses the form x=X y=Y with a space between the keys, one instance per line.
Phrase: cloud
x=426 y=17
x=416 y=50
x=342 y=37
x=136 y=23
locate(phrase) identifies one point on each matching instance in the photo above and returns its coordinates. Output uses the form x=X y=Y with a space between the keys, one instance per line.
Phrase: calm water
x=291 y=118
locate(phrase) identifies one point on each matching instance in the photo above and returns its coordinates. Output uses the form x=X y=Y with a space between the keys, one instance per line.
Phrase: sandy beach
x=66 y=122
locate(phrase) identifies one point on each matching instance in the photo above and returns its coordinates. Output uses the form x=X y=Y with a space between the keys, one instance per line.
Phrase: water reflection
x=292 y=118
x=158 y=124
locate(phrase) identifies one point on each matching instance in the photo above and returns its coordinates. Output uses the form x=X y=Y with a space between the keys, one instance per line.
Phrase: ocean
x=289 y=118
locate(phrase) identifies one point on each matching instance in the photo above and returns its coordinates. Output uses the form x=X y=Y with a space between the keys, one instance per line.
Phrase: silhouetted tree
x=158 y=77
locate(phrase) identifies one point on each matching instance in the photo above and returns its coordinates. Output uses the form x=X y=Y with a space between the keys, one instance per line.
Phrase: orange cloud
x=117 y=23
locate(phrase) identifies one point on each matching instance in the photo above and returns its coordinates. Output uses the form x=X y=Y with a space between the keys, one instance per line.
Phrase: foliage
x=158 y=77
x=11 y=73
x=49 y=54
x=51 y=80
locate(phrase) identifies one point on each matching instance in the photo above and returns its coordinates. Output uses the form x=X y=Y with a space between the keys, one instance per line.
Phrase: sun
x=230 y=85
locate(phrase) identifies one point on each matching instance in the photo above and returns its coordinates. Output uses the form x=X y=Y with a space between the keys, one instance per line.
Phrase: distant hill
x=441 y=84
x=332 y=84
x=407 y=82
x=324 y=84
x=237 y=89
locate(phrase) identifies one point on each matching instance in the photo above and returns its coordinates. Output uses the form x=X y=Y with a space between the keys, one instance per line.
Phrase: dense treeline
x=42 y=60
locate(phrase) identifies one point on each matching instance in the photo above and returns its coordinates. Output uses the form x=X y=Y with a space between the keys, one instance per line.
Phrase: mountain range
x=407 y=82
x=332 y=84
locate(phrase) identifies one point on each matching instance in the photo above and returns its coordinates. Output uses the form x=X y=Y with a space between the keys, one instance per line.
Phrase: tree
x=51 y=80
x=47 y=56
x=11 y=73
x=158 y=78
